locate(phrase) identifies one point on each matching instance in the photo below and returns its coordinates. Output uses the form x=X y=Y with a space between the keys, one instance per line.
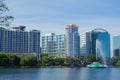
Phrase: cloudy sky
x=54 y=15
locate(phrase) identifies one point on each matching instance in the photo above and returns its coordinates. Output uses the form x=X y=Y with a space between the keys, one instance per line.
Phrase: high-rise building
x=16 y=40
x=85 y=44
x=72 y=40
x=34 y=41
x=116 y=46
x=53 y=45
x=100 y=43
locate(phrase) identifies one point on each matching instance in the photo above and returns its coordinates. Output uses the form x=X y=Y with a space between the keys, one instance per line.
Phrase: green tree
x=23 y=62
x=59 y=61
x=14 y=60
x=45 y=60
x=4 y=59
x=75 y=61
x=32 y=61
x=114 y=60
x=90 y=58
x=118 y=63
x=51 y=61
x=4 y=18
x=42 y=55
x=28 y=61
x=71 y=61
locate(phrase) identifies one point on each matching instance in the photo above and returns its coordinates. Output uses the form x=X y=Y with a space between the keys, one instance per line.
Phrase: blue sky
x=54 y=15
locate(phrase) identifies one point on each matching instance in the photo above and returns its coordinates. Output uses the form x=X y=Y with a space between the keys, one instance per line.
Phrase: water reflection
x=115 y=74
x=60 y=74
x=72 y=74
x=84 y=74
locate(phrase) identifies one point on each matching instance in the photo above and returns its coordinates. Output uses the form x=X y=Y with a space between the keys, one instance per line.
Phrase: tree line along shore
x=10 y=60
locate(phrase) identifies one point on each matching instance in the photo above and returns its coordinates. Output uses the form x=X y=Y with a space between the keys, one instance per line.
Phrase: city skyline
x=48 y=16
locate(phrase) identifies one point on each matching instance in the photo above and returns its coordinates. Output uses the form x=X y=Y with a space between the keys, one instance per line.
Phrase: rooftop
x=99 y=30
x=70 y=26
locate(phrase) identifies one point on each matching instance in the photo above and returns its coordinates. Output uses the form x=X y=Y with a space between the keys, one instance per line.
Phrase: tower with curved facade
x=103 y=37
x=72 y=40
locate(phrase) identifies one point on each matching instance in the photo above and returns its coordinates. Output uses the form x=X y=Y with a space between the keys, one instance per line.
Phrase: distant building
x=53 y=44
x=85 y=44
x=116 y=46
x=103 y=39
x=17 y=40
x=72 y=40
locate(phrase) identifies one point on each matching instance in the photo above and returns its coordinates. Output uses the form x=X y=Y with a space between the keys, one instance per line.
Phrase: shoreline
x=51 y=67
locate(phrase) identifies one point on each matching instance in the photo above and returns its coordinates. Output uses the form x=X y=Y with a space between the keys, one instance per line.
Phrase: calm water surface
x=59 y=74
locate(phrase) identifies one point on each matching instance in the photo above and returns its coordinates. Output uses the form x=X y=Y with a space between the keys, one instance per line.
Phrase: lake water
x=59 y=74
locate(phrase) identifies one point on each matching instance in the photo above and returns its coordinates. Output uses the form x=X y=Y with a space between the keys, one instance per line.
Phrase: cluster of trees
x=14 y=60
x=46 y=60
x=58 y=61
x=7 y=59
x=115 y=61
x=89 y=59
x=11 y=60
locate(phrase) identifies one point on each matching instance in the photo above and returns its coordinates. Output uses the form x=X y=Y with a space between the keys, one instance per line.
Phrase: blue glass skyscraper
x=72 y=40
x=103 y=37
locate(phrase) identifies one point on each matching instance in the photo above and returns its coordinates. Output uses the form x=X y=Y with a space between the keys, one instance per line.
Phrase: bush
x=28 y=61
x=58 y=61
x=4 y=59
x=114 y=60
x=14 y=60
x=90 y=58
x=118 y=63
